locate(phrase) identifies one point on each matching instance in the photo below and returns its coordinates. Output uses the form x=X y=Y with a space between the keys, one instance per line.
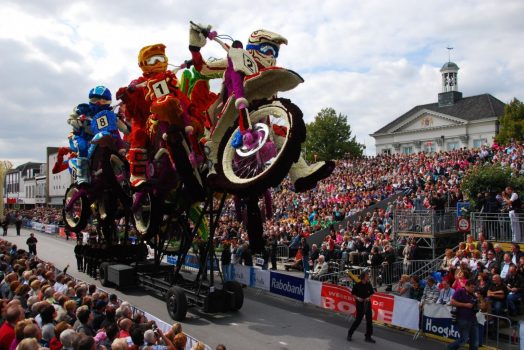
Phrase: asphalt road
x=264 y=322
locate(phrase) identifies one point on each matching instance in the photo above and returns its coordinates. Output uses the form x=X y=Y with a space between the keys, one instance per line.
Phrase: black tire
x=103 y=272
x=238 y=293
x=75 y=219
x=176 y=302
x=148 y=213
x=227 y=180
x=116 y=172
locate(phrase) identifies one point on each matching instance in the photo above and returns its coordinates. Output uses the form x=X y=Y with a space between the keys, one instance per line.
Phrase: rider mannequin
x=263 y=45
x=81 y=136
x=155 y=92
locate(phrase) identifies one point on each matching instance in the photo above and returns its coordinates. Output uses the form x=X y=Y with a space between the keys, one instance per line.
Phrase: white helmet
x=264 y=45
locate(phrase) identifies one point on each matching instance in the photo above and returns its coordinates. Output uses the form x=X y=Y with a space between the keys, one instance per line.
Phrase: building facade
x=20 y=184
x=57 y=184
x=450 y=123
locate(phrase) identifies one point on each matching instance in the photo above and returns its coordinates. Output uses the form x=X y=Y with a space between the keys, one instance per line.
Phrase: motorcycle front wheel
x=250 y=170
x=75 y=213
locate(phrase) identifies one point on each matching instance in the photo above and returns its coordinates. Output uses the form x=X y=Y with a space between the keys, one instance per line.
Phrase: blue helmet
x=99 y=99
x=100 y=92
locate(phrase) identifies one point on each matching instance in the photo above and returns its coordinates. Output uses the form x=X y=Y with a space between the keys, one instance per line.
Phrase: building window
x=386 y=151
x=453 y=146
x=407 y=150
x=479 y=142
x=429 y=147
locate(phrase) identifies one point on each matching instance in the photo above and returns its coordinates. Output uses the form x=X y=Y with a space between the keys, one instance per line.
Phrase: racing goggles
x=156 y=59
x=267 y=49
x=99 y=101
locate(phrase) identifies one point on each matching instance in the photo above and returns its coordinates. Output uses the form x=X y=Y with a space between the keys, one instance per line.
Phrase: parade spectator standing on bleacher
x=466 y=304
x=362 y=291
x=513 y=204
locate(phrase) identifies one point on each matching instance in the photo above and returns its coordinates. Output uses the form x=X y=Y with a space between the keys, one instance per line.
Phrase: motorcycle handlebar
x=211 y=35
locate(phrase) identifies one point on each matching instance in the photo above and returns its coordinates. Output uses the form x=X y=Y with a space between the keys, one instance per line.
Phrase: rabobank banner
x=288 y=286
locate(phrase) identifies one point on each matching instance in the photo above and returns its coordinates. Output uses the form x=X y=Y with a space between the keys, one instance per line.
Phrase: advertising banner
x=51 y=228
x=260 y=279
x=312 y=292
x=288 y=286
x=242 y=274
x=382 y=306
x=437 y=320
x=406 y=313
x=38 y=226
x=191 y=260
x=338 y=299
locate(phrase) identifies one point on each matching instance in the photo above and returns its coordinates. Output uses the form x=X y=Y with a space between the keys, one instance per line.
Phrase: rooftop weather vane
x=449 y=53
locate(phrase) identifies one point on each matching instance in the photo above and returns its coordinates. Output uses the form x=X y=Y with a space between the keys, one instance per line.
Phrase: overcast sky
x=370 y=60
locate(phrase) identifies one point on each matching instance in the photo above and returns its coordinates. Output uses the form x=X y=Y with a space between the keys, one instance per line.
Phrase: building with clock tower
x=452 y=122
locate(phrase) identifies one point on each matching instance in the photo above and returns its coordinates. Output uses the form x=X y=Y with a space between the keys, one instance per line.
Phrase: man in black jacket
x=79 y=255
x=362 y=291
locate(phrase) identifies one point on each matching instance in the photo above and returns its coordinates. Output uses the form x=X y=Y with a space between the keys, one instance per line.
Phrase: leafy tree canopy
x=329 y=137
x=511 y=123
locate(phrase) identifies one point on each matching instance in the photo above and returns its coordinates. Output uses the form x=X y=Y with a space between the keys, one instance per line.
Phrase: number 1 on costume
x=160 y=88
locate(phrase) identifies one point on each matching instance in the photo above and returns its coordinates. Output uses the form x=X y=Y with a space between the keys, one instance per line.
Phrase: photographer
x=155 y=339
x=466 y=304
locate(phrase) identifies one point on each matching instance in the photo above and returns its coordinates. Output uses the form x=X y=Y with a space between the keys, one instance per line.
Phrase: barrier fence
x=430 y=222
x=499 y=227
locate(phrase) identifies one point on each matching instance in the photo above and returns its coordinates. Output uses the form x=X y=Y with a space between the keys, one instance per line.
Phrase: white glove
x=74 y=121
x=196 y=38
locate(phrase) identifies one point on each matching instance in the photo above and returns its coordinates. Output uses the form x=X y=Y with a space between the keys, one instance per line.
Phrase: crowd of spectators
x=428 y=182
x=41 y=214
x=498 y=277
x=41 y=309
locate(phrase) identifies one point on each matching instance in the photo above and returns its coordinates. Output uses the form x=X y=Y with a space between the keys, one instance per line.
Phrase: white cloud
x=371 y=61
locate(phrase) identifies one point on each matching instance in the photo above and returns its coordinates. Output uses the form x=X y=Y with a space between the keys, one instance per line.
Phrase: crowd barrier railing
x=282 y=253
x=499 y=227
x=428 y=222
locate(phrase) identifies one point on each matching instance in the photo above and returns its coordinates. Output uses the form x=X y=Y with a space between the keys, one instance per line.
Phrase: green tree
x=490 y=178
x=511 y=123
x=329 y=137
